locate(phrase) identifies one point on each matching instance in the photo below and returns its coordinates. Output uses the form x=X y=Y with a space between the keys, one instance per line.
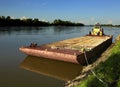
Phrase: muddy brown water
x=20 y=70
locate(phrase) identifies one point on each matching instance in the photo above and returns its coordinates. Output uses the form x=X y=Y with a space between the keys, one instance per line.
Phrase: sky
x=83 y=11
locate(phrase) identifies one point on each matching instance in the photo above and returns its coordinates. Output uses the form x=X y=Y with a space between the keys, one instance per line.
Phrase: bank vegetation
x=107 y=73
x=9 y=21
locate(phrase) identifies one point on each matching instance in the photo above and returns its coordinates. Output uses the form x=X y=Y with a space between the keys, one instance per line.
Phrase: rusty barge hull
x=71 y=50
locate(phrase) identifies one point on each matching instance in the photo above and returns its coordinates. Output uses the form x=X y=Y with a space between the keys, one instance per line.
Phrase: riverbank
x=10 y=22
x=103 y=73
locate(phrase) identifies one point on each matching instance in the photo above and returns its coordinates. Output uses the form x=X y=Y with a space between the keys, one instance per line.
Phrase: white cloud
x=12 y=17
x=83 y=21
x=92 y=19
x=43 y=20
x=23 y=18
x=110 y=22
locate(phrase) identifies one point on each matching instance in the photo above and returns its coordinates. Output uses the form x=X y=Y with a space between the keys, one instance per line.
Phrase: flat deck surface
x=70 y=50
x=86 y=42
x=72 y=46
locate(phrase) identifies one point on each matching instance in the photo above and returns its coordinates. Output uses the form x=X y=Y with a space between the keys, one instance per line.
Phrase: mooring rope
x=93 y=71
x=86 y=59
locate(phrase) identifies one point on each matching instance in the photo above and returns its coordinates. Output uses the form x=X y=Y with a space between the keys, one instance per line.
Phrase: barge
x=74 y=50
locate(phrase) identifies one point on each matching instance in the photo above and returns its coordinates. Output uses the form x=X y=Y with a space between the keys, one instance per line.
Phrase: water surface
x=20 y=70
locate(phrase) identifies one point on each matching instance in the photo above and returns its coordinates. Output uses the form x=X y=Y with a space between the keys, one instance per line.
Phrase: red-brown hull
x=67 y=55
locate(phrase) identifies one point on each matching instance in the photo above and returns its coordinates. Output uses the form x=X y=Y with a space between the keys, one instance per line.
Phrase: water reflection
x=11 y=38
x=22 y=30
x=52 y=68
x=40 y=30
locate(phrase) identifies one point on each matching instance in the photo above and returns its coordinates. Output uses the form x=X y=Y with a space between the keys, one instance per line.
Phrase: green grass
x=108 y=71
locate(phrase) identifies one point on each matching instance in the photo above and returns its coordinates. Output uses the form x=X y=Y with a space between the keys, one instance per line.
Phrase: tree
x=8 y=18
x=8 y=21
x=36 y=22
x=58 y=22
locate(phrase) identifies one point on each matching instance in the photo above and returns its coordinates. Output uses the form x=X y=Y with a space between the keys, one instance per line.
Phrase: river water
x=20 y=70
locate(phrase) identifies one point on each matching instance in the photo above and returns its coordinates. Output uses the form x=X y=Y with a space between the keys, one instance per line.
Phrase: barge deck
x=71 y=50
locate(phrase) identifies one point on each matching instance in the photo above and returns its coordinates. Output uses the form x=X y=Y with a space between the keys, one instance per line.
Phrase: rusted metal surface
x=71 y=50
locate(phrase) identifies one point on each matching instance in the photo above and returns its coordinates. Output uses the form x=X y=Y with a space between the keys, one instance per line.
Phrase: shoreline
x=87 y=69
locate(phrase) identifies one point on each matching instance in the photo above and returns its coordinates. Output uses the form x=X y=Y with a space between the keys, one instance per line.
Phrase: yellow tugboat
x=97 y=30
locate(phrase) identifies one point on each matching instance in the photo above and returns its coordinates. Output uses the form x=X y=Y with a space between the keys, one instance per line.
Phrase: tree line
x=8 y=21
x=110 y=25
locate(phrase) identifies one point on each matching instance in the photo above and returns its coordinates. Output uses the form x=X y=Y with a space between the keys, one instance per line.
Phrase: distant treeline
x=110 y=25
x=66 y=23
x=105 y=25
x=8 y=21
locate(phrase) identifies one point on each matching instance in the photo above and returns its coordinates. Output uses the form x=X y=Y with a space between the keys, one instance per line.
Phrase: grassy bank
x=108 y=72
